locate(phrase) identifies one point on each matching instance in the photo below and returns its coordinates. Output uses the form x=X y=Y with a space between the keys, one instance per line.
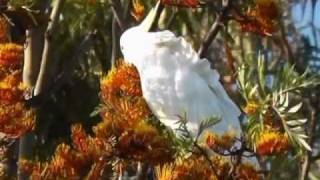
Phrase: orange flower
x=91 y=148
x=123 y=80
x=11 y=88
x=219 y=143
x=251 y=108
x=181 y=3
x=144 y=143
x=271 y=142
x=11 y=55
x=138 y=10
x=194 y=167
x=246 y=172
x=124 y=105
x=124 y=115
x=72 y=162
x=198 y=167
x=261 y=18
x=16 y=119
x=164 y=172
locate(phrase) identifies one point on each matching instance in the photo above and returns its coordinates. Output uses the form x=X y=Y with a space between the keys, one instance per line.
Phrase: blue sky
x=301 y=20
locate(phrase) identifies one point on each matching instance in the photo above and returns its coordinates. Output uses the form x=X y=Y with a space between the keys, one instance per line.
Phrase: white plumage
x=176 y=82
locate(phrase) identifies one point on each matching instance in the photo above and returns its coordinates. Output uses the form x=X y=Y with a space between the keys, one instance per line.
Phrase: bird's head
x=133 y=41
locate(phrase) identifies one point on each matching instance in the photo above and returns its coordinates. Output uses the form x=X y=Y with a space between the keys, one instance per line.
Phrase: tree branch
x=44 y=74
x=65 y=75
x=215 y=28
x=312 y=127
x=32 y=56
x=32 y=59
x=115 y=42
x=117 y=10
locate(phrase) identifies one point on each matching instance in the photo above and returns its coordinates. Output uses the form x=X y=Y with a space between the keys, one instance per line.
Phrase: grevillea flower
x=246 y=171
x=123 y=80
x=11 y=55
x=261 y=18
x=92 y=148
x=198 y=167
x=194 y=167
x=219 y=143
x=164 y=172
x=85 y=157
x=251 y=108
x=11 y=87
x=271 y=142
x=138 y=10
x=181 y=3
x=144 y=143
x=125 y=114
x=16 y=119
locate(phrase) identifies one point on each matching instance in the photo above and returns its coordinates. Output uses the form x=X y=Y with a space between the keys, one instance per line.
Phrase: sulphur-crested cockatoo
x=175 y=81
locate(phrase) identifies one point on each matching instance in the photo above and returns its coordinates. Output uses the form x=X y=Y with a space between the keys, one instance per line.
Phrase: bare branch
x=215 y=28
x=311 y=130
x=44 y=74
x=66 y=73
x=115 y=42
x=32 y=56
x=117 y=10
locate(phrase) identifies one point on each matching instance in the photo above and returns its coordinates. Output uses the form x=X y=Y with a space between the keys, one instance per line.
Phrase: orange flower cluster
x=246 y=171
x=197 y=167
x=11 y=55
x=219 y=143
x=272 y=142
x=15 y=118
x=261 y=18
x=62 y=166
x=181 y=3
x=88 y=155
x=124 y=132
x=92 y=148
x=125 y=114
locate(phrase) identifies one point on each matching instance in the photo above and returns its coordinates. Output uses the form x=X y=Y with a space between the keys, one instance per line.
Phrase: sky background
x=303 y=20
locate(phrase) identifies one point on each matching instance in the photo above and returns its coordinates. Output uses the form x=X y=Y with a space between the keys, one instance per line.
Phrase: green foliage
x=282 y=99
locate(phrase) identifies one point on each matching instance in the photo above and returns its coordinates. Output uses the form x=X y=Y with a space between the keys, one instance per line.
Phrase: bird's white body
x=176 y=82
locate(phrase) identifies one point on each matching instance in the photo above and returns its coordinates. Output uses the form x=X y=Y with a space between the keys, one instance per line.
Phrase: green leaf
x=304 y=144
x=295 y=108
x=207 y=123
x=296 y=122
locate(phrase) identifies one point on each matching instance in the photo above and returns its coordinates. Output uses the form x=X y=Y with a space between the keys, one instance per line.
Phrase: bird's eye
x=121 y=47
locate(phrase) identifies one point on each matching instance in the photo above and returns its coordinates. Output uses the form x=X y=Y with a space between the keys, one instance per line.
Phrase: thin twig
x=115 y=42
x=117 y=10
x=214 y=30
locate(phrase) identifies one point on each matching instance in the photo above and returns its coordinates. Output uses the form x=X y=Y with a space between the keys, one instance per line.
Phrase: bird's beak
x=148 y=22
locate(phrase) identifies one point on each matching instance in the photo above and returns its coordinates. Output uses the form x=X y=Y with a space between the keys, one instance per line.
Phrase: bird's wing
x=230 y=111
x=201 y=93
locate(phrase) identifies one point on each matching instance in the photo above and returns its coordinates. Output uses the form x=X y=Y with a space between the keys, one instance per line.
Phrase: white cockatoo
x=175 y=81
